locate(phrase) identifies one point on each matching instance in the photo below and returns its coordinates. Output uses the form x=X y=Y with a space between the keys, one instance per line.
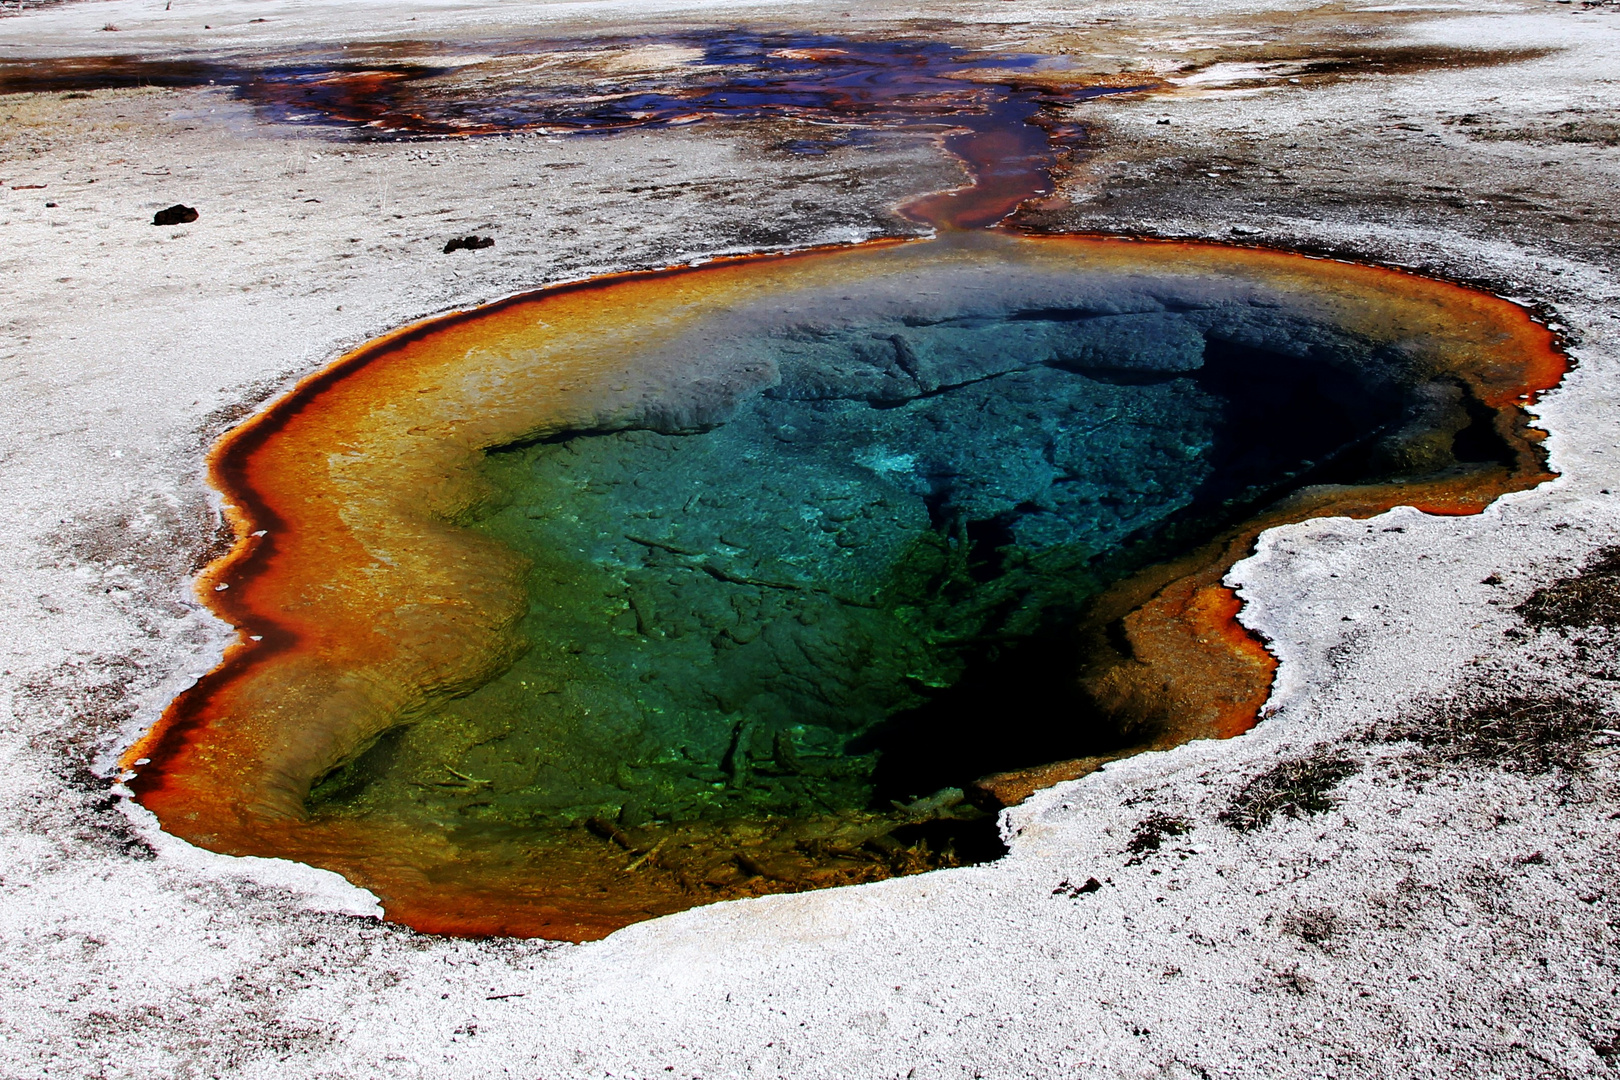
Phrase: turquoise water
x=851 y=580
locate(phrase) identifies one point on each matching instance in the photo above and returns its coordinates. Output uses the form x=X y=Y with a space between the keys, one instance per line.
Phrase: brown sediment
x=1329 y=63
x=360 y=600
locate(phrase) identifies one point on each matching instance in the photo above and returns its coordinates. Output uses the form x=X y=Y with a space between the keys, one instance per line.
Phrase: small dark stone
x=468 y=243
x=178 y=214
x=1069 y=889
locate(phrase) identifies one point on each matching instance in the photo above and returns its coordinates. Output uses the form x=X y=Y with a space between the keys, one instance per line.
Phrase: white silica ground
x=1426 y=915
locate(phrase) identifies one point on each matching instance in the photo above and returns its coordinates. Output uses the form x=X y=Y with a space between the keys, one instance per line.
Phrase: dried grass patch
x=1532 y=731
x=1294 y=788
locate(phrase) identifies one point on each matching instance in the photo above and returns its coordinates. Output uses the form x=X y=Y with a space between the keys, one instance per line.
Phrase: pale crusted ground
x=1443 y=915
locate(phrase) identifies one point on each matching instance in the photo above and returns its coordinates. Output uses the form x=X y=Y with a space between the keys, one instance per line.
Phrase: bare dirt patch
x=82 y=703
x=1151 y=833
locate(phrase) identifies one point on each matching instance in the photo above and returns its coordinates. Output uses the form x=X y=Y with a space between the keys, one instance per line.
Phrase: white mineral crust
x=1465 y=917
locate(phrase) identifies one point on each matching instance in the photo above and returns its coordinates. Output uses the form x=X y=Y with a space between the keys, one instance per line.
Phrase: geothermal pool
x=787 y=572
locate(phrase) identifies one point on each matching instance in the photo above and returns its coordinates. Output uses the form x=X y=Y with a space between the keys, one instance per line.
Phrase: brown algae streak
x=368 y=599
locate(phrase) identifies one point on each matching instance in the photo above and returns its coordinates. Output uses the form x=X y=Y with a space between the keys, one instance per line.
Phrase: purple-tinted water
x=994 y=110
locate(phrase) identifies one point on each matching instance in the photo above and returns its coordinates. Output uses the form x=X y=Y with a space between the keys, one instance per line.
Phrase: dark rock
x=468 y=243
x=1068 y=888
x=633 y=815
x=178 y=214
